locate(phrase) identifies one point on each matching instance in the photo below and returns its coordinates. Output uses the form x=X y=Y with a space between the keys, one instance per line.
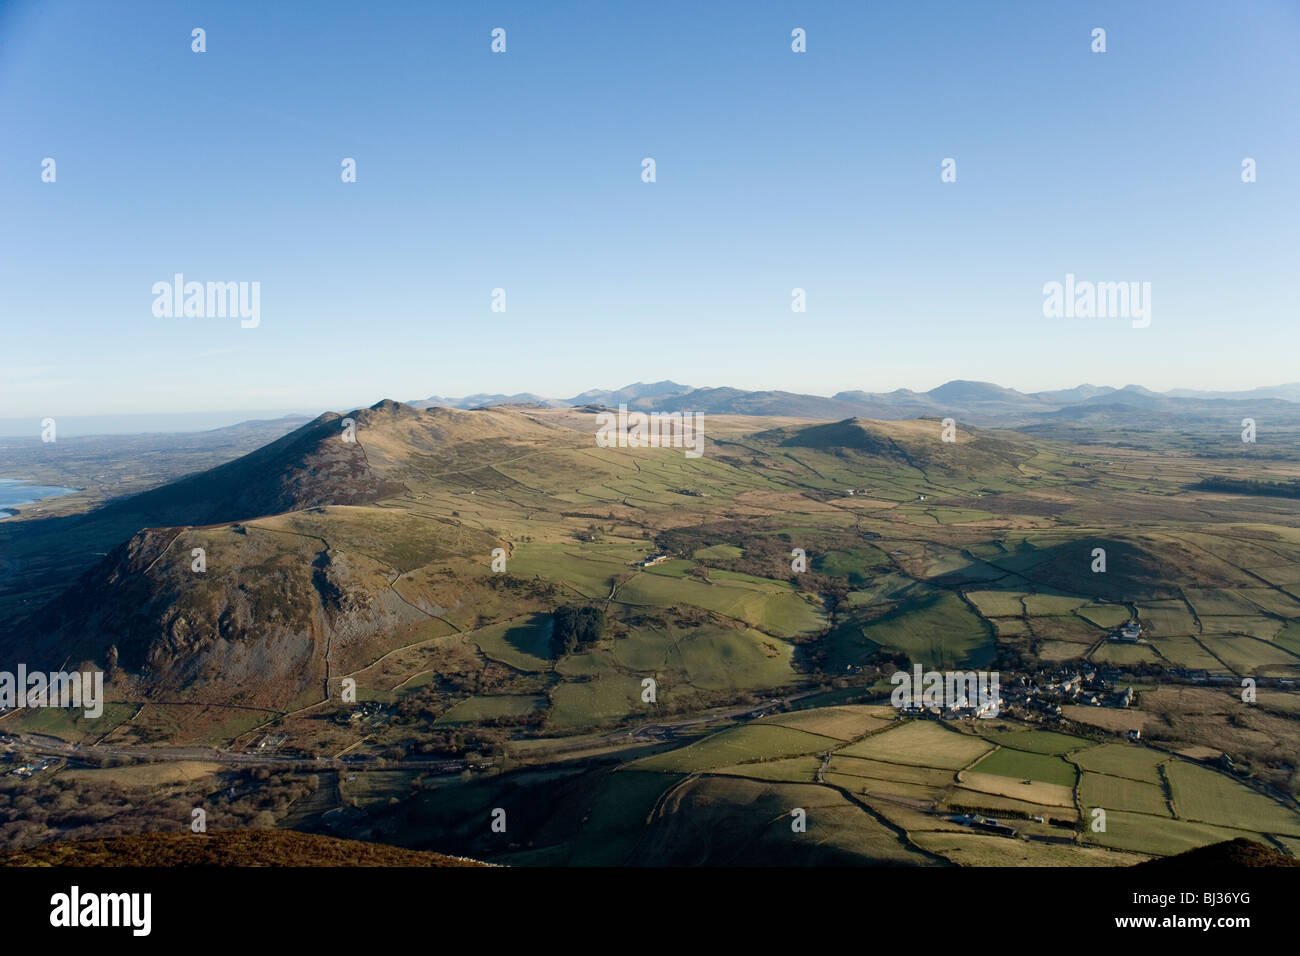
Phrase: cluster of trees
x=576 y=627
x=458 y=742
x=57 y=806
x=1250 y=486
x=529 y=587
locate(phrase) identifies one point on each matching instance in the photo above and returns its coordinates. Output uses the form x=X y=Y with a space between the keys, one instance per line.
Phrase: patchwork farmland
x=744 y=613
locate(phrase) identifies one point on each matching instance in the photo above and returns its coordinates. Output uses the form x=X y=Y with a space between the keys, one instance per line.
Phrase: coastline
x=17 y=492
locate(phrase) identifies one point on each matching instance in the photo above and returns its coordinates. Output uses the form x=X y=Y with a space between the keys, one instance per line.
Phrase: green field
x=1039 y=741
x=607 y=697
x=997 y=603
x=521 y=644
x=1205 y=796
x=1123 y=760
x=921 y=744
x=1160 y=836
x=1121 y=793
x=477 y=709
x=936 y=630
x=772 y=606
x=708 y=657
x=1029 y=766
x=743 y=744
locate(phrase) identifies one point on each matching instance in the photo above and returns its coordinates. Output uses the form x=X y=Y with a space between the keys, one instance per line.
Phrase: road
x=46 y=745
x=53 y=746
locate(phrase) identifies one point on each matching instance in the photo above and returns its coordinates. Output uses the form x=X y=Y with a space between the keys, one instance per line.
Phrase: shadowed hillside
x=310 y=466
x=275 y=595
x=1238 y=852
x=915 y=444
x=1132 y=571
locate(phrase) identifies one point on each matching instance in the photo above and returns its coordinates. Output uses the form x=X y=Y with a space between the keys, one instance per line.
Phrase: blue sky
x=522 y=171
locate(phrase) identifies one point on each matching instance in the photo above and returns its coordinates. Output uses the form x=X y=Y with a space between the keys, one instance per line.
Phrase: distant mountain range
x=977 y=403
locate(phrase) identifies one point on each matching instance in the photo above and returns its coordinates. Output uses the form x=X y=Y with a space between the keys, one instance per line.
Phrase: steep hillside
x=310 y=466
x=236 y=605
x=254 y=628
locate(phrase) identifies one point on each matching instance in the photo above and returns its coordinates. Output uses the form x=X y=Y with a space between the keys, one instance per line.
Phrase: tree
x=576 y=627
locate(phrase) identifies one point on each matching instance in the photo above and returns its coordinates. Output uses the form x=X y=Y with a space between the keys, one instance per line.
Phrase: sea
x=17 y=491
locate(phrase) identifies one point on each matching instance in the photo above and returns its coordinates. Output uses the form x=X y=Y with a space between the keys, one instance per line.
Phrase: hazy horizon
x=135 y=423
x=522 y=171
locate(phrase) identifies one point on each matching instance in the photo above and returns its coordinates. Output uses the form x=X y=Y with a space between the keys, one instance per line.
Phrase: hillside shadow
x=532 y=638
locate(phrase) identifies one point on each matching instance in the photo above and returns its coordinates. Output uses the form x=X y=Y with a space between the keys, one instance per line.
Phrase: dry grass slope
x=226 y=848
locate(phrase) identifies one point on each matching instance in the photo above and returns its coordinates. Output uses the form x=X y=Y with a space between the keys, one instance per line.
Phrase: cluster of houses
x=1046 y=692
x=964 y=710
x=652 y=561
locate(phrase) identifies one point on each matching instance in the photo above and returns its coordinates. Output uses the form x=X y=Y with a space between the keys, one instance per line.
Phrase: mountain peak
x=385 y=409
x=961 y=390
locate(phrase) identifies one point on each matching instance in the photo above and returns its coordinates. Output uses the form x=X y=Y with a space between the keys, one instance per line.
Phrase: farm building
x=1129 y=633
